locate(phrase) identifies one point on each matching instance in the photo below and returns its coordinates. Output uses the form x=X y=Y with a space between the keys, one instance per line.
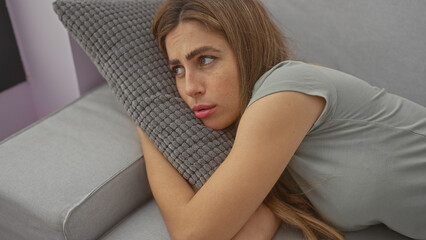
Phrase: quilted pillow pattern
x=116 y=35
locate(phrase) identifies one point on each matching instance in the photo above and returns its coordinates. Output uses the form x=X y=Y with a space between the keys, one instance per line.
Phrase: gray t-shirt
x=364 y=160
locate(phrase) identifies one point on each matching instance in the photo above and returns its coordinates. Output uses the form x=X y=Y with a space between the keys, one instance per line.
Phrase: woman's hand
x=262 y=225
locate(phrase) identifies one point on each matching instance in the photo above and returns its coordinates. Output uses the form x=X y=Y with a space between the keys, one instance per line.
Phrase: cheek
x=235 y=86
x=231 y=94
x=181 y=92
x=237 y=95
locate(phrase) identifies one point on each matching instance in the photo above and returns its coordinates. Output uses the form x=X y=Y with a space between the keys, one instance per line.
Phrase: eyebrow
x=194 y=53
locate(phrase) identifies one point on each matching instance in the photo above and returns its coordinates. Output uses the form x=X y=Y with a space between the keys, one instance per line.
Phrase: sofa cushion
x=144 y=223
x=154 y=228
x=382 y=41
x=74 y=174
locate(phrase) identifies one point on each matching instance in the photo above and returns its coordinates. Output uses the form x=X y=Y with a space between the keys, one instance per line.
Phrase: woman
x=356 y=152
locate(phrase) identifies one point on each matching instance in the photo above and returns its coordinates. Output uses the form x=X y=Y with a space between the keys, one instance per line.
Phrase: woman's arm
x=269 y=133
x=262 y=225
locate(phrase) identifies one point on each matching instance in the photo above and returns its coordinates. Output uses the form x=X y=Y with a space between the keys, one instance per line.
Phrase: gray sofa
x=79 y=173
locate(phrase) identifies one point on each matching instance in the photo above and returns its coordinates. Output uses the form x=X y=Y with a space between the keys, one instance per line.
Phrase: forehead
x=189 y=35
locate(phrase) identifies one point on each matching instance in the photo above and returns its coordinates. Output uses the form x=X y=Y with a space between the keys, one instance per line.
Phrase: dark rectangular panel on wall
x=11 y=69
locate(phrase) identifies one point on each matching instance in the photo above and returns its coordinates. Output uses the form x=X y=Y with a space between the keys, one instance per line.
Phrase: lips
x=203 y=111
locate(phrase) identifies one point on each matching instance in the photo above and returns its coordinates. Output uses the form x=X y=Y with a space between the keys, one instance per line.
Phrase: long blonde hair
x=258 y=45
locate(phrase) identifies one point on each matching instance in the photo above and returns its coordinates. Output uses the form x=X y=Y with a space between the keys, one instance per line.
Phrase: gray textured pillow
x=116 y=34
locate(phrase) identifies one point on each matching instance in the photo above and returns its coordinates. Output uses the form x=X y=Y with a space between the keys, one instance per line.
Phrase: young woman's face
x=206 y=73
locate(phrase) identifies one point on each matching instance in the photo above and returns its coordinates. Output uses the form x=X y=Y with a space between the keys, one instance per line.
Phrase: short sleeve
x=297 y=77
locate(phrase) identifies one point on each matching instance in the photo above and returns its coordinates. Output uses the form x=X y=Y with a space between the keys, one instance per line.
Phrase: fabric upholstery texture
x=149 y=216
x=74 y=174
x=116 y=34
x=382 y=41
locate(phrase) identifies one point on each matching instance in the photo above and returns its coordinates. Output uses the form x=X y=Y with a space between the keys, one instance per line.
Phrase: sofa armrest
x=74 y=174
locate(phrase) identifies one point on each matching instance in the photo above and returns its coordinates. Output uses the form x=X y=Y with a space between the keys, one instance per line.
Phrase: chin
x=216 y=125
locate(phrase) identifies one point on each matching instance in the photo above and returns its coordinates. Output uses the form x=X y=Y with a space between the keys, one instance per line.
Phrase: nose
x=194 y=85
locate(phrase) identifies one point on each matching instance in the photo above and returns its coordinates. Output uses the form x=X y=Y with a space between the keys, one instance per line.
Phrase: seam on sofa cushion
x=145 y=196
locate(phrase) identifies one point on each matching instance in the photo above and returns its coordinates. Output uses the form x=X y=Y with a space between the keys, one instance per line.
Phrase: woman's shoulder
x=289 y=68
x=342 y=92
x=294 y=76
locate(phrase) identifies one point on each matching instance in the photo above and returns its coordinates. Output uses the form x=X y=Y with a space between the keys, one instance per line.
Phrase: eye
x=205 y=60
x=177 y=70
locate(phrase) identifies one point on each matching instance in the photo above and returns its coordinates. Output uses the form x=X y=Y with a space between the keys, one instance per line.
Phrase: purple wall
x=57 y=69
x=88 y=76
x=16 y=109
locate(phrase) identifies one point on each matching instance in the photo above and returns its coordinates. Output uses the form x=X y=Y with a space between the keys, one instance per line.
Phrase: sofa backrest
x=380 y=41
